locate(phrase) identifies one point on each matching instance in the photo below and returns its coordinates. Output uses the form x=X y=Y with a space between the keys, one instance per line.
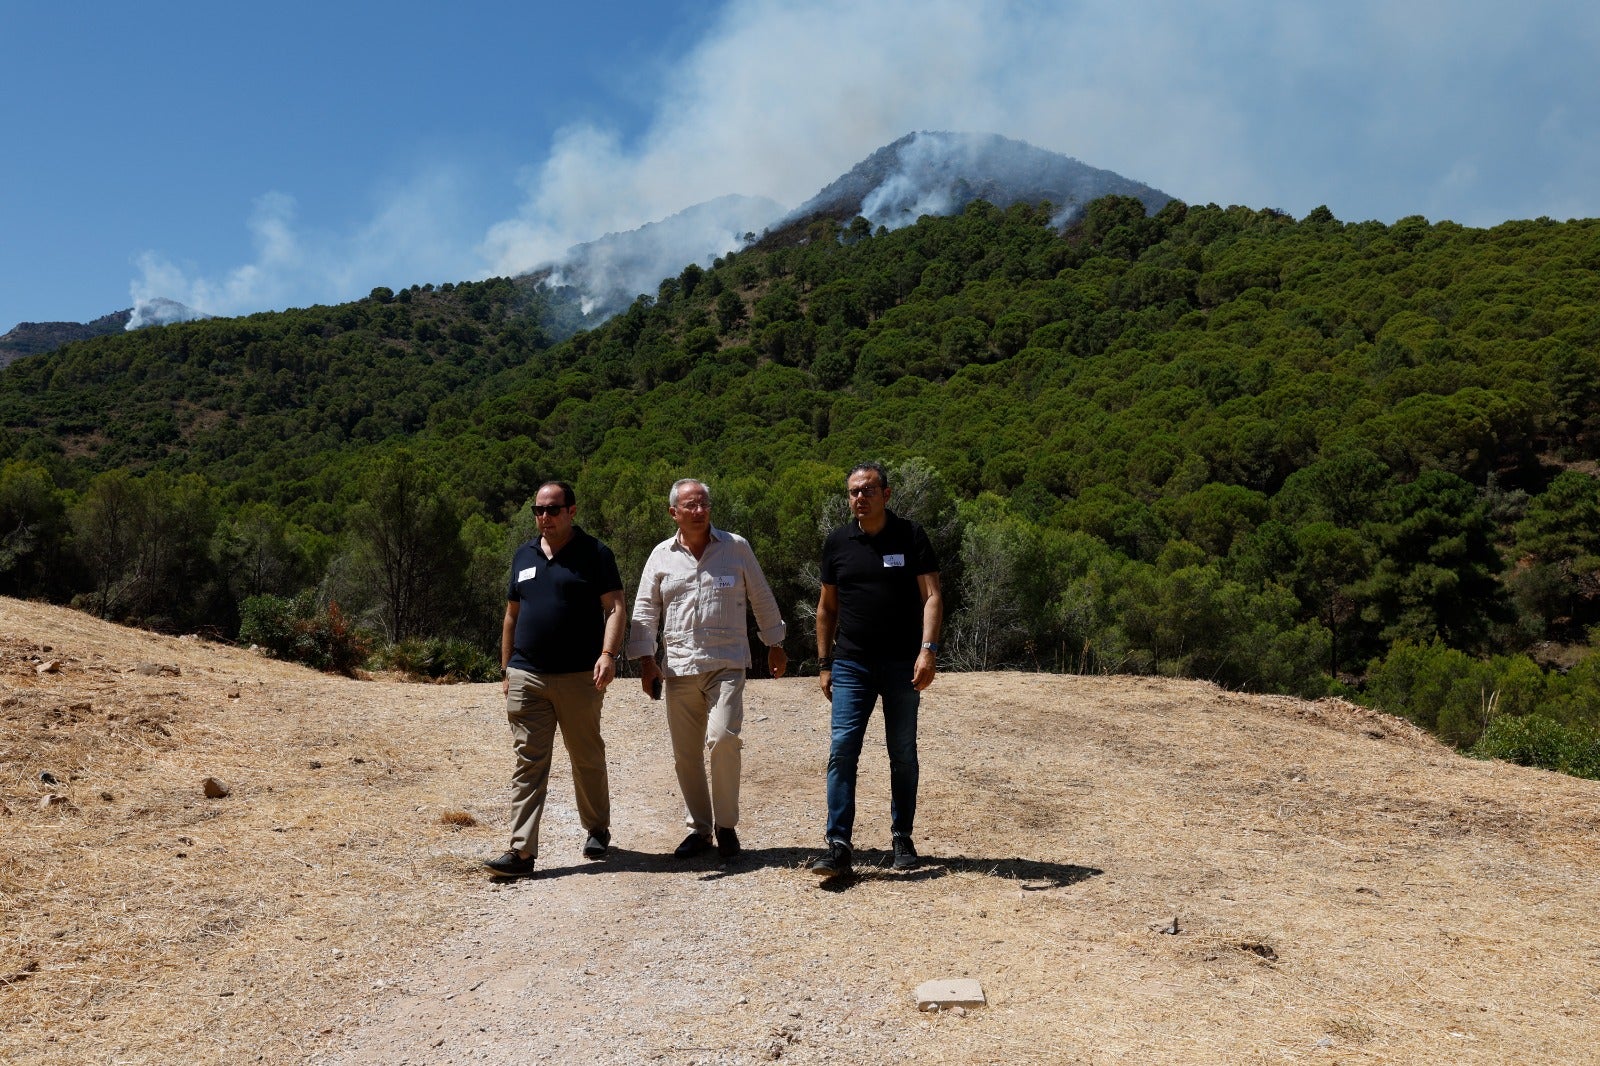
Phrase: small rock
x=51 y=667
x=957 y=992
x=959 y=1012
x=233 y=691
x=51 y=800
x=215 y=789
x=49 y=778
x=1170 y=929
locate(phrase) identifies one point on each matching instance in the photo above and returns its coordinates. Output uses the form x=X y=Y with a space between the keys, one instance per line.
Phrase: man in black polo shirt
x=558 y=648
x=878 y=621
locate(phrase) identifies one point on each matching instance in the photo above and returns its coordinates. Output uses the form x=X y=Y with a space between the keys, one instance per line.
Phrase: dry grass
x=145 y=922
x=1135 y=869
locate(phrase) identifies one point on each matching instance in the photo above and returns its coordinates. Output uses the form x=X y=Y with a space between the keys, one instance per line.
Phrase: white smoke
x=160 y=311
x=1376 y=109
x=903 y=198
x=416 y=234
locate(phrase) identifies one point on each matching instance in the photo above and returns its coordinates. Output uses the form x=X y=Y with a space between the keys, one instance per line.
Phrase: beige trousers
x=536 y=704
x=704 y=714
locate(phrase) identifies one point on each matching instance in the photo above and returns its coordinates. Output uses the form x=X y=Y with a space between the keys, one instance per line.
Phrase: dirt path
x=1343 y=889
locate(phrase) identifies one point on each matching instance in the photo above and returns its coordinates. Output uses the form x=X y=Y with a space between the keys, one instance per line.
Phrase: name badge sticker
x=726 y=581
x=894 y=560
x=528 y=574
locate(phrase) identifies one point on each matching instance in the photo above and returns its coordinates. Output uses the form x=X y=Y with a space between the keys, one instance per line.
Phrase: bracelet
x=825 y=663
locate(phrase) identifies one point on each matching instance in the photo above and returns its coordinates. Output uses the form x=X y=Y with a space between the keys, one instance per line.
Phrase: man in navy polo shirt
x=878 y=622
x=558 y=648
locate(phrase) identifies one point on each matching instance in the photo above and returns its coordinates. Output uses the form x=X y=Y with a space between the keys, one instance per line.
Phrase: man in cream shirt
x=691 y=608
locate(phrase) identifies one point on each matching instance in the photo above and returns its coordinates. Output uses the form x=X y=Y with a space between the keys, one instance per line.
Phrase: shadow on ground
x=870 y=865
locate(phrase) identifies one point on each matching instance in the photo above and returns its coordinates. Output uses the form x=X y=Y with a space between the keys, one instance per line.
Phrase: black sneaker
x=692 y=845
x=905 y=852
x=595 y=847
x=511 y=865
x=727 y=842
x=835 y=863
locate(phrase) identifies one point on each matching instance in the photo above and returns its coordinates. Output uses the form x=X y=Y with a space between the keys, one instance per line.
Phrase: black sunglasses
x=550 y=509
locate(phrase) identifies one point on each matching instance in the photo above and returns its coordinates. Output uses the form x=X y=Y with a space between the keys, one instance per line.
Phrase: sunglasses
x=549 y=509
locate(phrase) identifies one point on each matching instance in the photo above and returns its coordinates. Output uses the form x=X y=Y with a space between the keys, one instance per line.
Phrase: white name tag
x=894 y=560
x=527 y=575
x=726 y=581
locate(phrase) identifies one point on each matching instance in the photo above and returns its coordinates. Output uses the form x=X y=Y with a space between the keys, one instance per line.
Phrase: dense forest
x=1300 y=456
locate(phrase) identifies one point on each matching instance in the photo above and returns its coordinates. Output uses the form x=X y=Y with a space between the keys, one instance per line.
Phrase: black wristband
x=825 y=663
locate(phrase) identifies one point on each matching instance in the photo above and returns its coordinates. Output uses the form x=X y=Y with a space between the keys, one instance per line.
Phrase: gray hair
x=672 y=497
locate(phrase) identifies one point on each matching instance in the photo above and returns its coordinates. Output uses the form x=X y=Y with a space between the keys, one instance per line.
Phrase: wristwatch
x=929 y=645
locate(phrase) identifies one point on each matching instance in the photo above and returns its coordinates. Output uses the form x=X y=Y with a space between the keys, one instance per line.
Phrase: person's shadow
x=871 y=865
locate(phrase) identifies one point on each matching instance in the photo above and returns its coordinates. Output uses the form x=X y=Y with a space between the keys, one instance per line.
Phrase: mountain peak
x=940 y=172
x=923 y=173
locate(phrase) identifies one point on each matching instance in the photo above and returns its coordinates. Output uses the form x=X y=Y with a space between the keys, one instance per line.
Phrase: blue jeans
x=856 y=687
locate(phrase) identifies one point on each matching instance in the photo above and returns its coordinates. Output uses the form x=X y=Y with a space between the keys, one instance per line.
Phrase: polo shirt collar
x=889 y=519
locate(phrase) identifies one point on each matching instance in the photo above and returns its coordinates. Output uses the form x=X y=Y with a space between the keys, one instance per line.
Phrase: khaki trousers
x=704 y=714
x=536 y=704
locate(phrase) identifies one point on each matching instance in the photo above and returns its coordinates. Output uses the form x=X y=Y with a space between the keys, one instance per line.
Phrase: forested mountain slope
x=1214 y=441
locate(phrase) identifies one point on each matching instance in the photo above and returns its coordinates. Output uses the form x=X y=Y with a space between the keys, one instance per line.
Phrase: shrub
x=1534 y=740
x=299 y=630
x=440 y=659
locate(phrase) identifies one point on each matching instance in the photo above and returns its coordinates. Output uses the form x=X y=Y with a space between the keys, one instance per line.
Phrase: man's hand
x=826 y=679
x=649 y=670
x=605 y=669
x=927 y=666
x=777 y=660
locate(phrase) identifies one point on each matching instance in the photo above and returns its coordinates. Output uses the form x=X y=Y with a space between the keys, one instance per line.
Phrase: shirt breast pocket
x=724 y=598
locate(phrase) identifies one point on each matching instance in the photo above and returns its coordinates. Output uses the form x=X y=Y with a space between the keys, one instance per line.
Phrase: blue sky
x=250 y=157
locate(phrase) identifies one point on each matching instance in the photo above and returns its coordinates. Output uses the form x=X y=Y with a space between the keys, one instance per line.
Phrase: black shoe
x=727 y=842
x=511 y=865
x=905 y=852
x=595 y=847
x=836 y=863
x=692 y=845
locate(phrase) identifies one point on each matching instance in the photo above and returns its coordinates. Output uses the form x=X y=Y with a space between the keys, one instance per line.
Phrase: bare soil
x=1135 y=870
